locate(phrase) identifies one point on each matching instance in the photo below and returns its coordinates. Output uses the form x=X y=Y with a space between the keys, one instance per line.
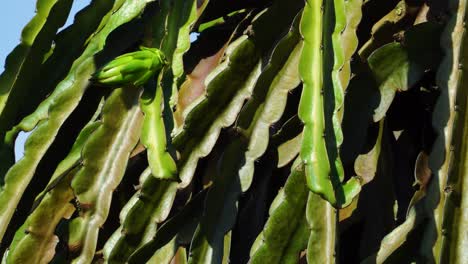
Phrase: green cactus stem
x=320 y=75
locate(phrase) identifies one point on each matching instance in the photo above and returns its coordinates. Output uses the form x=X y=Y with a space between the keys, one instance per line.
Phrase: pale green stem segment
x=50 y=207
x=456 y=249
x=385 y=27
x=321 y=217
x=192 y=10
x=349 y=39
x=170 y=253
x=73 y=159
x=105 y=156
x=204 y=121
x=35 y=240
x=174 y=233
x=227 y=248
x=268 y=100
x=153 y=135
x=286 y=232
x=366 y=164
x=338 y=64
x=140 y=217
x=313 y=70
x=445 y=238
x=219 y=21
x=395 y=239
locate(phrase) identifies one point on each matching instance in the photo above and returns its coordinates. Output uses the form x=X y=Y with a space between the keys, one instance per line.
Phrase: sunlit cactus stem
x=134 y=68
x=323 y=175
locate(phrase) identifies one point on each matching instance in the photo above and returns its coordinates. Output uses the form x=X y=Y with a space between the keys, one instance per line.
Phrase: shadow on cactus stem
x=443 y=118
x=430 y=202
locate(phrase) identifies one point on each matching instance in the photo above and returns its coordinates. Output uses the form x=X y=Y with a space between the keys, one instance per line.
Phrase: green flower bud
x=133 y=68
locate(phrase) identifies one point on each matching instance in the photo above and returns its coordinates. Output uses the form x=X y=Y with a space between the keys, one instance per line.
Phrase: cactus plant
x=318 y=131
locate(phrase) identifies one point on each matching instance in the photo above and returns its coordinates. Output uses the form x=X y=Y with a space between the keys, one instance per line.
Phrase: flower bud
x=133 y=68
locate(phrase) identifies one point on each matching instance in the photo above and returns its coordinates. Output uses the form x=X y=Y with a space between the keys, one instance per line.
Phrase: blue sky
x=14 y=15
